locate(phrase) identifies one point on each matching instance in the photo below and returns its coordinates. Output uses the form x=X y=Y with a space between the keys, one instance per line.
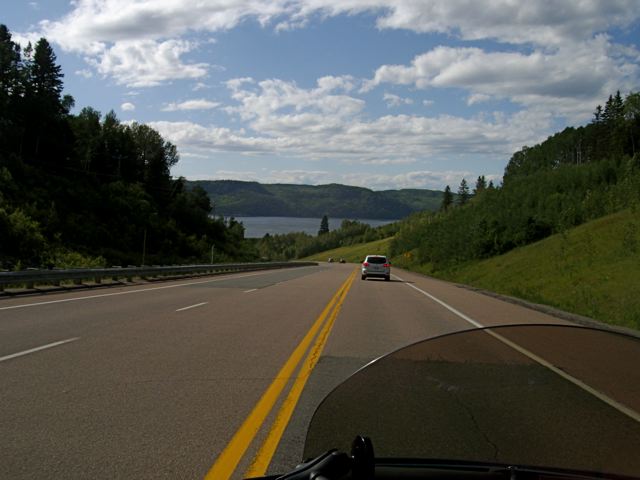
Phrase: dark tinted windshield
x=524 y=395
x=377 y=260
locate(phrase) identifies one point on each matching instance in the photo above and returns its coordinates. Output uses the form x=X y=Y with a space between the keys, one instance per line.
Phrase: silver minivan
x=376 y=266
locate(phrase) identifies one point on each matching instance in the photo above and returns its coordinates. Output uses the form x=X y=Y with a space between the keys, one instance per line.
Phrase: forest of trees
x=574 y=176
x=86 y=189
x=298 y=245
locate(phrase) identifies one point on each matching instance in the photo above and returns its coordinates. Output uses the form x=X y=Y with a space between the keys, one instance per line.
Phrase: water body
x=257 y=227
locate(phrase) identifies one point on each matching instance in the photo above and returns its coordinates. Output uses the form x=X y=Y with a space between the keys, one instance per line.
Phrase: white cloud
x=568 y=80
x=113 y=32
x=326 y=123
x=540 y=22
x=477 y=98
x=197 y=104
x=85 y=73
x=201 y=86
x=393 y=100
x=127 y=107
x=276 y=106
x=550 y=22
x=147 y=63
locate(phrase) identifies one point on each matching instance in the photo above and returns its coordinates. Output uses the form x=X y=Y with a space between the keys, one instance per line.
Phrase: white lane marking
x=191 y=306
x=37 y=349
x=252 y=290
x=447 y=306
x=599 y=395
x=89 y=297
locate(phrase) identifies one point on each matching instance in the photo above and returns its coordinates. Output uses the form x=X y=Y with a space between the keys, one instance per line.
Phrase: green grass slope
x=592 y=270
x=353 y=253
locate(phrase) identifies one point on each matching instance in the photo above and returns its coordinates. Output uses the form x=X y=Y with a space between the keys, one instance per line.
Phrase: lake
x=257 y=227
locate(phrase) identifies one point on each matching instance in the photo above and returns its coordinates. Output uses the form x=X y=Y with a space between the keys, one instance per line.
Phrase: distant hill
x=253 y=199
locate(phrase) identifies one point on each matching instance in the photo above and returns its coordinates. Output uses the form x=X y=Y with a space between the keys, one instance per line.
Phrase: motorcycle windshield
x=529 y=395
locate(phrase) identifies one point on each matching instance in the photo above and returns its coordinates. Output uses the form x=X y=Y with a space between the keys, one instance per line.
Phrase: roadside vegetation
x=592 y=270
x=562 y=229
x=86 y=190
x=353 y=253
x=302 y=245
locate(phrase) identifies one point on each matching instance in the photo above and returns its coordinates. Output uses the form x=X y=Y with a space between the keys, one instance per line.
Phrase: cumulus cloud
x=566 y=80
x=550 y=58
x=147 y=63
x=85 y=73
x=328 y=123
x=393 y=100
x=543 y=23
x=196 y=104
x=276 y=107
x=97 y=21
x=127 y=107
x=108 y=30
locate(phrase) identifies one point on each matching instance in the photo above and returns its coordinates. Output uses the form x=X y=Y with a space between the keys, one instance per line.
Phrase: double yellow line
x=228 y=460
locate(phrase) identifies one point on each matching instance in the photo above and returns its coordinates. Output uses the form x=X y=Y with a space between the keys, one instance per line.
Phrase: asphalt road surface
x=212 y=377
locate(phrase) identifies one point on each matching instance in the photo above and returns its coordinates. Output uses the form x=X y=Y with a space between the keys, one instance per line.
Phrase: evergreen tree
x=42 y=108
x=324 y=225
x=9 y=66
x=597 y=115
x=156 y=157
x=447 y=199
x=481 y=185
x=632 y=119
x=87 y=133
x=46 y=76
x=463 y=192
x=9 y=90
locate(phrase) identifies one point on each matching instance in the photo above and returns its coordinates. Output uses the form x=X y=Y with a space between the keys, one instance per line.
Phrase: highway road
x=212 y=377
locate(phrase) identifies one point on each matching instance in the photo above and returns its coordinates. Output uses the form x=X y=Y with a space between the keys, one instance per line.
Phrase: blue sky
x=381 y=94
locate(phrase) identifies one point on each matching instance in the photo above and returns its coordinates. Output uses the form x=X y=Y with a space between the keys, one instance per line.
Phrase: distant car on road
x=376 y=266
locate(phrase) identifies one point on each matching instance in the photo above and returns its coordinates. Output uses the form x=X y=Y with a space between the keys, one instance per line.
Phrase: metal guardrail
x=30 y=278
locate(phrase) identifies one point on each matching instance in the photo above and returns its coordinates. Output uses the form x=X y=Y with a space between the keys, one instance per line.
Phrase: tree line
x=85 y=189
x=574 y=176
x=299 y=244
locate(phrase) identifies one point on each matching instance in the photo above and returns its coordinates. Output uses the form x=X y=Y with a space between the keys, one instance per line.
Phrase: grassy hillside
x=237 y=198
x=354 y=253
x=592 y=270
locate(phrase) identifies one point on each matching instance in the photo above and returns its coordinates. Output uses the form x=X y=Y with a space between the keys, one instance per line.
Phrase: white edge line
x=37 y=349
x=252 y=290
x=191 y=306
x=599 y=395
x=89 y=297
